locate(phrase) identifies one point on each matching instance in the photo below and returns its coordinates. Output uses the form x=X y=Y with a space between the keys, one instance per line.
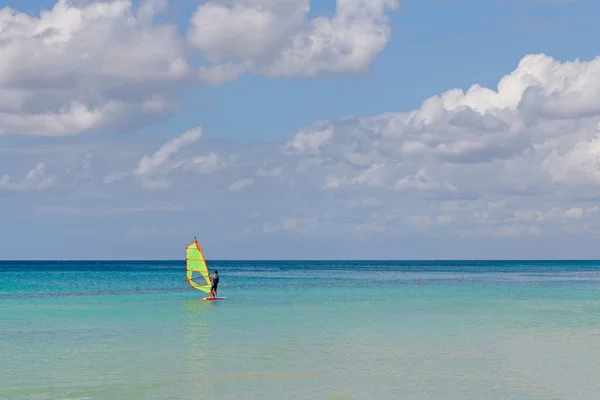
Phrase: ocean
x=301 y=330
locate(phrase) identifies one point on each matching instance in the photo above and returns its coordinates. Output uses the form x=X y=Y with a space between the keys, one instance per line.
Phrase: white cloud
x=159 y=163
x=207 y=164
x=574 y=213
x=35 y=179
x=241 y=184
x=309 y=141
x=578 y=165
x=86 y=66
x=375 y=175
x=110 y=66
x=420 y=181
x=479 y=163
x=112 y=177
x=275 y=38
x=333 y=182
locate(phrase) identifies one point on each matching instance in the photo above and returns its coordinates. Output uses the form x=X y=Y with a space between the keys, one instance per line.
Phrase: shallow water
x=301 y=330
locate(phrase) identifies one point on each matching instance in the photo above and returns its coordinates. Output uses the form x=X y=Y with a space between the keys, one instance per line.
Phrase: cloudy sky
x=297 y=129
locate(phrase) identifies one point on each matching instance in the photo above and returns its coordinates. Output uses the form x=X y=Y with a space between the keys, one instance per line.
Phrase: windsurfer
x=215 y=282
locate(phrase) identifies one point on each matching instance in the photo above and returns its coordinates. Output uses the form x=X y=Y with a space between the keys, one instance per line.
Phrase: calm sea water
x=301 y=330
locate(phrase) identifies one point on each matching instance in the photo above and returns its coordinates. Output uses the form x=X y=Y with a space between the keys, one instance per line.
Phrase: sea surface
x=301 y=330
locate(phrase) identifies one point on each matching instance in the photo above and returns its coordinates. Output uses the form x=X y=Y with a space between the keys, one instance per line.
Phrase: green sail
x=196 y=270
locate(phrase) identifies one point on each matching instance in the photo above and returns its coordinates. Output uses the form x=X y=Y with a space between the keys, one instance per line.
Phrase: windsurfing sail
x=196 y=270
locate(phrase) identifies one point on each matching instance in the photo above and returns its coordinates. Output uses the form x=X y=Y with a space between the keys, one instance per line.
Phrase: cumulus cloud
x=496 y=163
x=110 y=66
x=275 y=38
x=309 y=141
x=35 y=179
x=84 y=66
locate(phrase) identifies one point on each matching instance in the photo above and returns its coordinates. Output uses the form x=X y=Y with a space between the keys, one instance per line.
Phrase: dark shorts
x=214 y=286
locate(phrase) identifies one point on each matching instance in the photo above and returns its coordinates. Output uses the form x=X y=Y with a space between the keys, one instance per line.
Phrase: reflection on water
x=196 y=307
x=198 y=353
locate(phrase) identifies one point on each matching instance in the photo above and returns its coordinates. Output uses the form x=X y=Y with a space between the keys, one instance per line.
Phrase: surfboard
x=216 y=298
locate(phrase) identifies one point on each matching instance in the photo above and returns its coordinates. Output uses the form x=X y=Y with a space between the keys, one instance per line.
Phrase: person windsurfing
x=215 y=282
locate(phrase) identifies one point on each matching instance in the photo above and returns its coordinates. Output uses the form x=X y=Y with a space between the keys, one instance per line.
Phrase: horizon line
x=309 y=260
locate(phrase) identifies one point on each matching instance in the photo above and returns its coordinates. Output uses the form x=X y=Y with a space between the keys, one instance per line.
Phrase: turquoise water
x=301 y=330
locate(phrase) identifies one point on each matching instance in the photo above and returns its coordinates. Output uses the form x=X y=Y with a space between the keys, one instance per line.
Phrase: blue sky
x=272 y=130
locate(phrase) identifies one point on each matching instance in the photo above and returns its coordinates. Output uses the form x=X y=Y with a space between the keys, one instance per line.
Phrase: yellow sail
x=196 y=269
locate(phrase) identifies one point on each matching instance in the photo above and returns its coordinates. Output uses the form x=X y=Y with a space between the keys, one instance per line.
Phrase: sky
x=297 y=129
